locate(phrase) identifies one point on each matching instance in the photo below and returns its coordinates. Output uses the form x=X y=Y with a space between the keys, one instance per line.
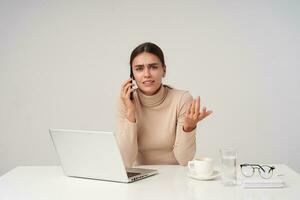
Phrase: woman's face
x=148 y=72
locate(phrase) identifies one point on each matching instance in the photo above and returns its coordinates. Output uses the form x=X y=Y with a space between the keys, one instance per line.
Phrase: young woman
x=156 y=124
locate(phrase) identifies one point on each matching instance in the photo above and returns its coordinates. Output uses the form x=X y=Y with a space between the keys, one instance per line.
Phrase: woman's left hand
x=193 y=115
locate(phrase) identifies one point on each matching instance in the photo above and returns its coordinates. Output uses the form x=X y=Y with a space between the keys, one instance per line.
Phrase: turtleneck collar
x=153 y=100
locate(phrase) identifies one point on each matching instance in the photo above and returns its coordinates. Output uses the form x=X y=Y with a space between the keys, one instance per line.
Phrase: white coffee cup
x=201 y=167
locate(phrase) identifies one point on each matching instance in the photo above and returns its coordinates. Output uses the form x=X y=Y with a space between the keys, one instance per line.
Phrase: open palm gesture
x=193 y=115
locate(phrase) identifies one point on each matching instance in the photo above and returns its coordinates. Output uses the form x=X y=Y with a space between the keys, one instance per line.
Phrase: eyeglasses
x=264 y=171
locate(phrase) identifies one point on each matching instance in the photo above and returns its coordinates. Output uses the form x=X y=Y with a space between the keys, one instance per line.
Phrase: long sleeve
x=185 y=142
x=126 y=136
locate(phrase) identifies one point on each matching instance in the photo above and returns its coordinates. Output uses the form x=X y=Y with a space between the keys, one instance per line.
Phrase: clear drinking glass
x=228 y=166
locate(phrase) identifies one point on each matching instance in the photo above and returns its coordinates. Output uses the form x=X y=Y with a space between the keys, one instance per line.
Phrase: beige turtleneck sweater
x=157 y=136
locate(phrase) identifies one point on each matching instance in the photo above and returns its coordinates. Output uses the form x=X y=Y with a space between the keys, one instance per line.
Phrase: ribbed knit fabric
x=157 y=136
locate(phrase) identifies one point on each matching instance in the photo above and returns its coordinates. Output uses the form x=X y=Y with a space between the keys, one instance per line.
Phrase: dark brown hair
x=149 y=48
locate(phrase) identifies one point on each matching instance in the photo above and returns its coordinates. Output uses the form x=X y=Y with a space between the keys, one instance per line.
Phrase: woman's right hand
x=129 y=104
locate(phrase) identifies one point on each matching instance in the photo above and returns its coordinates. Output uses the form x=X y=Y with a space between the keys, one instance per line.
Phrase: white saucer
x=214 y=175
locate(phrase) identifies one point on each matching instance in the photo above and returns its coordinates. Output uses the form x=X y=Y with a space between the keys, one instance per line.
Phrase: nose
x=147 y=72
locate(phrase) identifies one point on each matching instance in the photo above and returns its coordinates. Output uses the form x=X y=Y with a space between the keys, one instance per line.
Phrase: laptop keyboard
x=131 y=174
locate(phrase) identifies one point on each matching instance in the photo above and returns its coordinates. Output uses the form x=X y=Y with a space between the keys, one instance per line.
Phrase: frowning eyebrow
x=150 y=64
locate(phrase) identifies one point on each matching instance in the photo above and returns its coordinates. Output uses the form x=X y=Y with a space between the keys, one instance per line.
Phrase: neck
x=155 y=99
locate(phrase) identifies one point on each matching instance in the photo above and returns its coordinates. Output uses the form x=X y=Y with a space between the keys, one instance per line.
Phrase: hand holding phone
x=132 y=87
x=129 y=104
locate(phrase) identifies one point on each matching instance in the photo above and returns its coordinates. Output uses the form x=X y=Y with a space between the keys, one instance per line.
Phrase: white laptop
x=94 y=155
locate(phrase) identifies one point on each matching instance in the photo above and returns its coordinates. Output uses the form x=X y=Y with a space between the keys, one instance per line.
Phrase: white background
x=62 y=64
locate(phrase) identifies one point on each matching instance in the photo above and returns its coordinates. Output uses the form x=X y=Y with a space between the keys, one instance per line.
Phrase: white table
x=49 y=182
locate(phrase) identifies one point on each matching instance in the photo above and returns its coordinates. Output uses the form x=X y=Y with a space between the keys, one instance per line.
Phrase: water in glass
x=228 y=166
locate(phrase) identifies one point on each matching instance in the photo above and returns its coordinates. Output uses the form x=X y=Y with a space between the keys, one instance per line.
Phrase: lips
x=148 y=82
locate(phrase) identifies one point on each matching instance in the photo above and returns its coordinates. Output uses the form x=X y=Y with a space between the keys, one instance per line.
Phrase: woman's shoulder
x=183 y=96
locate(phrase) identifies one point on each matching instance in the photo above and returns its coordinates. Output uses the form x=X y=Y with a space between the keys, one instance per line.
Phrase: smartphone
x=132 y=81
x=131 y=93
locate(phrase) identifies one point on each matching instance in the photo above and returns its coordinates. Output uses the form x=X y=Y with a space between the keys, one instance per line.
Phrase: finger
x=197 y=106
x=202 y=113
x=192 y=110
x=124 y=84
x=129 y=81
x=208 y=113
x=205 y=114
x=126 y=89
x=188 y=110
x=128 y=93
x=129 y=90
x=204 y=109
